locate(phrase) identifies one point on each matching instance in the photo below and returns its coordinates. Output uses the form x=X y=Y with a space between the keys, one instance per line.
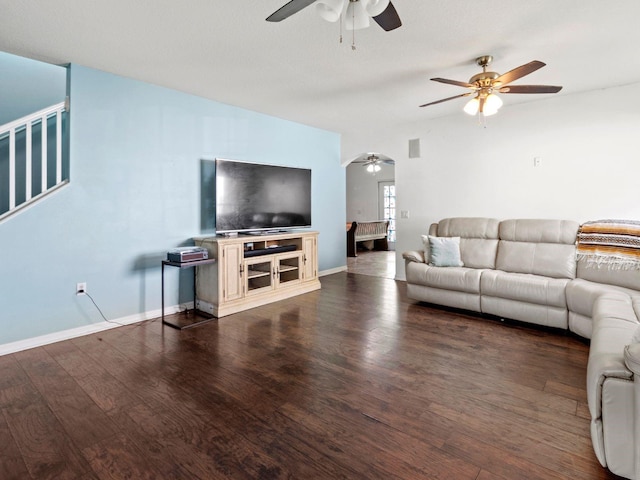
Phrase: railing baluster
x=12 y=168
x=58 y=146
x=10 y=131
x=43 y=120
x=28 y=160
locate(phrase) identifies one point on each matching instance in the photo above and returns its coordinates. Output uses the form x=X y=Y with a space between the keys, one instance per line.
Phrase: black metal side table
x=205 y=317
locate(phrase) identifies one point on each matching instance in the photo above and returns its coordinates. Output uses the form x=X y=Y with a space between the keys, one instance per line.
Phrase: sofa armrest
x=632 y=361
x=414 y=256
x=609 y=339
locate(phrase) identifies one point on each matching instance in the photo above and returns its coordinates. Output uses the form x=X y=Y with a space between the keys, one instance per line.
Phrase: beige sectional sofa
x=591 y=283
x=526 y=270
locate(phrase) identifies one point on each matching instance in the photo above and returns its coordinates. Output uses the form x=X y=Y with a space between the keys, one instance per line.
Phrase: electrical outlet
x=81 y=288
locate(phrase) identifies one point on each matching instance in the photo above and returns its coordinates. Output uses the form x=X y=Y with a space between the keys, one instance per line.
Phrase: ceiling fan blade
x=447 y=99
x=389 y=19
x=388 y=162
x=294 y=6
x=454 y=82
x=519 y=72
x=531 y=89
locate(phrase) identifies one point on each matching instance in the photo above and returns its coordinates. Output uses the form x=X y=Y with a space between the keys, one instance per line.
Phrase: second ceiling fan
x=373 y=162
x=486 y=84
x=356 y=13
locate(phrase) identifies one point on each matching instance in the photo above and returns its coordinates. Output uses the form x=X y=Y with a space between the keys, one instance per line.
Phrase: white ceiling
x=226 y=51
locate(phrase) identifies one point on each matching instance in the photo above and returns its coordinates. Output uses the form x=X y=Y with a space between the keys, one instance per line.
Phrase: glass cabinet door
x=289 y=268
x=259 y=274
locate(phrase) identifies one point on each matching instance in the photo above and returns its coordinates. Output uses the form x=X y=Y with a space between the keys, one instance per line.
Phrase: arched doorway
x=370 y=196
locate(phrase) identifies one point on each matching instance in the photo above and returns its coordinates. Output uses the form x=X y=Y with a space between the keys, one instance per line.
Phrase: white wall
x=587 y=143
x=362 y=191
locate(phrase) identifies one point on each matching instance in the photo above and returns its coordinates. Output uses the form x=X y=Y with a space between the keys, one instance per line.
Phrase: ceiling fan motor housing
x=484 y=79
x=484 y=61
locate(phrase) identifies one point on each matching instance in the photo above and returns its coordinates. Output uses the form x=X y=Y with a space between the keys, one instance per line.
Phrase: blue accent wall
x=27 y=86
x=135 y=152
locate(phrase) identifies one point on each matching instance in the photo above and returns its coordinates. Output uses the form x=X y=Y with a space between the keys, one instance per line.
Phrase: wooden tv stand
x=253 y=270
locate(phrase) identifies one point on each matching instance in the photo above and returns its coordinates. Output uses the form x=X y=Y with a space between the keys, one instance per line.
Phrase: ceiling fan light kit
x=356 y=17
x=472 y=106
x=372 y=162
x=492 y=104
x=485 y=85
x=376 y=7
x=355 y=14
x=359 y=11
x=330 y=10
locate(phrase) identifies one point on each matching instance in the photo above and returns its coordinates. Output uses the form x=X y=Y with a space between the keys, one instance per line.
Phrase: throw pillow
x=425 y=243
x=444 y=252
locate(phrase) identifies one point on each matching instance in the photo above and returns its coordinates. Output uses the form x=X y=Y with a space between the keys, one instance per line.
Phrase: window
x=388 y=194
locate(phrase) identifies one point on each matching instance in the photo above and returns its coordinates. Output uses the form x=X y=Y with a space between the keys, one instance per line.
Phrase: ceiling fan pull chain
x=353 y=30
x=341 y=28
x=482 y=120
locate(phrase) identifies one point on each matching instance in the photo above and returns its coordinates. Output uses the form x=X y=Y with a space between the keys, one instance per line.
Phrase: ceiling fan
x=485 y=85
x=356 y=12
x=373 y=162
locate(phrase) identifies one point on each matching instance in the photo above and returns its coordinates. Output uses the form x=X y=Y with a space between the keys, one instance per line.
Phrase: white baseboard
x=50 y=338
x=331 y=271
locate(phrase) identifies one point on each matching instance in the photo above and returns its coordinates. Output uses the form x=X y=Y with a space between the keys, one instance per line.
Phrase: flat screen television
x=253 y=197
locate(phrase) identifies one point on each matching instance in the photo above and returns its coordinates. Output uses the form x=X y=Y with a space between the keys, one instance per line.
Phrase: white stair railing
x=26 y=124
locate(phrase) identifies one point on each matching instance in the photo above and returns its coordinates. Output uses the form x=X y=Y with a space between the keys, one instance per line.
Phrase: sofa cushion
x=615 y=306
x=540 y=247
x=579 y=324
x=461 y=279
x=582 y=294
x=524 y=287
x=444 y=252
x=539 y=231
x=478 y=238
x=607 y=274
x=447 y=298
x=546 y=259
x=536 y=313
x=478 y=253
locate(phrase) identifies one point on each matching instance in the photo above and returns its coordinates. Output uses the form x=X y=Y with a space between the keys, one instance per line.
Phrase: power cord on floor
x=84 y=292
x=102 y=314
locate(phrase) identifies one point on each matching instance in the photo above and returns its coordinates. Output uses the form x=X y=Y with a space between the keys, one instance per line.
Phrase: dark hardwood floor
x=353 y=381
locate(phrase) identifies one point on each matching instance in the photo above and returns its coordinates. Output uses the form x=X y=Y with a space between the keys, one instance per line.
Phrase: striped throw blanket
x=614 y=243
